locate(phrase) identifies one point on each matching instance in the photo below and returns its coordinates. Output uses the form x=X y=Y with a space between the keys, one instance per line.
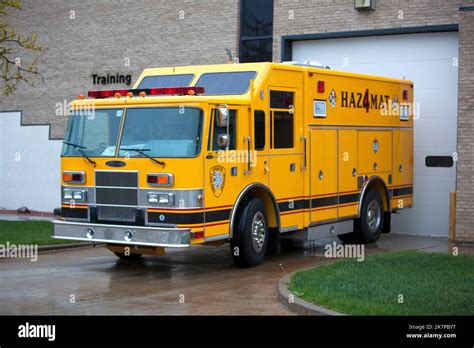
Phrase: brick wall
x=105 y=34
x=319 y=16
x=465 y=164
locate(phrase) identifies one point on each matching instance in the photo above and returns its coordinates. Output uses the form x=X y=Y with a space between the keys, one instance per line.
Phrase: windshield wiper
x=142 y=151
x=81 y=149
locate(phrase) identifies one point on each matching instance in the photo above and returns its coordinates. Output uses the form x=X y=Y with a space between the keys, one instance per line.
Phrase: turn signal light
x=161 y=179
x=74 y=177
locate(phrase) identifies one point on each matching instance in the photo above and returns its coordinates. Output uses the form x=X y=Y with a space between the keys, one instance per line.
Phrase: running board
x=322 y=231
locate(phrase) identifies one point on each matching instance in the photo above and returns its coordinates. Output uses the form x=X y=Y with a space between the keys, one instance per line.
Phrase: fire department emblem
x=395 y=104
x=332 y=98
x=375 y=145
x=217 y=177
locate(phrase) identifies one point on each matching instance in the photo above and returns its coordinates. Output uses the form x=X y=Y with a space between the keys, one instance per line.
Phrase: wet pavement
x=196 y=281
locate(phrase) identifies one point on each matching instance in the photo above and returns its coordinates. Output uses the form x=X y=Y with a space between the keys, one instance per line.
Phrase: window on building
x=256 y=30
x=259 y=129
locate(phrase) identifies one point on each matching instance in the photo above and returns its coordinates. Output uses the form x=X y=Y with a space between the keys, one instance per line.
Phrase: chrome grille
x=116 y=195
x=109 y=213
x=116 y=179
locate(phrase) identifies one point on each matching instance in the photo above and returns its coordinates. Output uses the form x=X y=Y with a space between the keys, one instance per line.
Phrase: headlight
x=161 y=198
x=78 y=196
x=152 y=198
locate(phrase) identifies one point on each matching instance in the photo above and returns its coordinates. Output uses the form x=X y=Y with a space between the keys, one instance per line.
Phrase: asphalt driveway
x=196 y=281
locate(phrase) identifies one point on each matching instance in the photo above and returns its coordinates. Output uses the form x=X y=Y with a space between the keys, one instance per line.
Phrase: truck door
x=286 y=155
x=223 y=167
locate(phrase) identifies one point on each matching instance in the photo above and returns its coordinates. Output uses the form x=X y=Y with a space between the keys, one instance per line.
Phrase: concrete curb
x=298 y=305
x=61 y=247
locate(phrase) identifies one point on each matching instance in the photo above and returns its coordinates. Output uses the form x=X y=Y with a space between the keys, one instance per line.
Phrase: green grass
x=28 y=232
x=431 y=284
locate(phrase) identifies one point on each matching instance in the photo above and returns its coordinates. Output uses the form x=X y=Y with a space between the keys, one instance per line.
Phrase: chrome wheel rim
x=258 y=232
x=374 y=216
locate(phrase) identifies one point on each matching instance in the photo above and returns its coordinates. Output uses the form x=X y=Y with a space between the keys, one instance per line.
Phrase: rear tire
x=368 y=228
x=250 y=240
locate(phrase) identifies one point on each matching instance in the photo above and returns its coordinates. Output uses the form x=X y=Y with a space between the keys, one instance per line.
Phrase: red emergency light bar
x=147 y=91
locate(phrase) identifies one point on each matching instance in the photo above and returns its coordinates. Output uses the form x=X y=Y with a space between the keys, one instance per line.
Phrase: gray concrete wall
x=30 y=174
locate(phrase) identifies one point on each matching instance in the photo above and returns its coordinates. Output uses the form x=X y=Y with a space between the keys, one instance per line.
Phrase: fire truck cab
x=249 y=154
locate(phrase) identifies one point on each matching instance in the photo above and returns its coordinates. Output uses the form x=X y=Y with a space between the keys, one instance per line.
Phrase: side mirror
x=223 y=140
x=222 y=115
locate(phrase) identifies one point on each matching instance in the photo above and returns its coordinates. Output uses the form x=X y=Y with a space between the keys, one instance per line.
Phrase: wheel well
x=264 y=193
x=377 y=183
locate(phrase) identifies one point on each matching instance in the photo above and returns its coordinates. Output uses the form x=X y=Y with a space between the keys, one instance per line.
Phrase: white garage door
x=430 y=60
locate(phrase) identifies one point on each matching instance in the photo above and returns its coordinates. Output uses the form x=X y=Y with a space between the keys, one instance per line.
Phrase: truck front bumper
x=120 y=234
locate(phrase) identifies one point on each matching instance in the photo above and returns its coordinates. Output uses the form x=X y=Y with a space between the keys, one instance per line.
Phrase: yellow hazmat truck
x=250 y=154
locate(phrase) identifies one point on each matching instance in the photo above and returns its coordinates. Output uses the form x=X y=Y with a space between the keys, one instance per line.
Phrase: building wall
x=465 y=165
x=104 y=36
x=32 y=175
x=293 y=17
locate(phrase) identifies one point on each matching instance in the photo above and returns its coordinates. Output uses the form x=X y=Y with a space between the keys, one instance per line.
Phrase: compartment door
x=323 y=174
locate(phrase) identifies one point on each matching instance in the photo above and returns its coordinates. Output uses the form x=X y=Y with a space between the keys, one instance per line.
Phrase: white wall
x=29 y=165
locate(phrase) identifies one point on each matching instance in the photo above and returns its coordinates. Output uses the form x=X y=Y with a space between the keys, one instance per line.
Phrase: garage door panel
x=435 y=191
x=435 y=132
x=445 y=108
x=420 y=168
x=398 y=48
x=429 y=220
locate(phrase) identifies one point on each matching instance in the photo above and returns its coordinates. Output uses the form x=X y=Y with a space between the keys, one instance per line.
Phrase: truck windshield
x=95 y=132
x=162 y=132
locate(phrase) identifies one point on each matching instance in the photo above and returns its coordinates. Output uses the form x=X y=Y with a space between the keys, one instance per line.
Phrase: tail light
x=320 y=86
x=405 y=94
x=198 y=234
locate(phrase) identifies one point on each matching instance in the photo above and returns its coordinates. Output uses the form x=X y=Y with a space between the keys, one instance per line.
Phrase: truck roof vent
x=312 y=63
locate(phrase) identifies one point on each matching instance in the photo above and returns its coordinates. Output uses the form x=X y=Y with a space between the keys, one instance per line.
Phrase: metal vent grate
x=116 y=196
x=108 y=213
x=116 y=179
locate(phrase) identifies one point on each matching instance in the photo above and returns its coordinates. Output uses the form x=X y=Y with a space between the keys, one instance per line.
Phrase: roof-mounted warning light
x=146 y=92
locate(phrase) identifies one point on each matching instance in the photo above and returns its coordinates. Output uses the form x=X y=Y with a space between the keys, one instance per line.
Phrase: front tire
x=250 y=241
x=128 y=257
